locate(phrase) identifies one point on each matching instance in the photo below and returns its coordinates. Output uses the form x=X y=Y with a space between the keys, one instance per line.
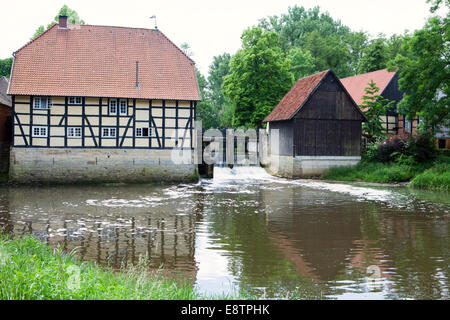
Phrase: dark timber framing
x=91 y=118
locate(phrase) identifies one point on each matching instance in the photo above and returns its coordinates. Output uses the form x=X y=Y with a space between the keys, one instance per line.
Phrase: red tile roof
x=295 y=98
x=100 y=61
x=356 y=85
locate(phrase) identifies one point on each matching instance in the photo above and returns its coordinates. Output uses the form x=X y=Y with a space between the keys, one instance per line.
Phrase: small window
x=42 y=103
x=113 y=106
x=143 y=132
x=109 y=132
x=75 y=100
x=74 y=132
x=123 y=107
x=441 y=143
x=39 y=131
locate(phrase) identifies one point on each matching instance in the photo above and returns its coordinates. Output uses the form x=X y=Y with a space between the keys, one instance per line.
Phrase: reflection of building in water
x=114 y=229
x=317 y=238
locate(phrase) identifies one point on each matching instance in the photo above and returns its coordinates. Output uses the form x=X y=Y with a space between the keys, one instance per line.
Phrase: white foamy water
x=241 y=174
x=251 y=175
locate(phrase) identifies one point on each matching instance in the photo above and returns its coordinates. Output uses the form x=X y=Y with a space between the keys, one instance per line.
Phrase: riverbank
x=433 y=176
x=31 y=270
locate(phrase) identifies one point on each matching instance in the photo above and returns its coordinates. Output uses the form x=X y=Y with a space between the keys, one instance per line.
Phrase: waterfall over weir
x=241 y=173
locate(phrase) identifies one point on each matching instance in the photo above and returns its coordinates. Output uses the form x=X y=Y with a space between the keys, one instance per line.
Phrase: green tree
x=302 y=62
x=356 y=43
x=5 y=67
x=325 y=38
x=72 y=18
x=424 y=74
x=218 y=70
x=375 y=56
x=206 y=111
x=259 y=77
x=374 y=107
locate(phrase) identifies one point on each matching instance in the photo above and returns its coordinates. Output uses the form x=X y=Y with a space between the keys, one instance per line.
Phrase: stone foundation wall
x=307 y=166
x=54 y=165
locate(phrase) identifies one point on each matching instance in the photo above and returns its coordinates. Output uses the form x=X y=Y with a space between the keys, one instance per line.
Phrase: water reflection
x=280 y=238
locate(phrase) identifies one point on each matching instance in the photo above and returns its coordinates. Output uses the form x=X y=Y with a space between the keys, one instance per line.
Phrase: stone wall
x=65 y=165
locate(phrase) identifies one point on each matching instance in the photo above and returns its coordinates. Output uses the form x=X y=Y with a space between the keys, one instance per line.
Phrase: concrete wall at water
x=307 y=166
x=63 y=165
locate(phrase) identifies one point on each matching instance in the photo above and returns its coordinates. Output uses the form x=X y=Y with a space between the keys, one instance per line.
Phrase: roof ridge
x=367 y=73
x=136 y=28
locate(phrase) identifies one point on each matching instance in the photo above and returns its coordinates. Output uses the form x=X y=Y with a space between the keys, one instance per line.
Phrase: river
x=247 y=230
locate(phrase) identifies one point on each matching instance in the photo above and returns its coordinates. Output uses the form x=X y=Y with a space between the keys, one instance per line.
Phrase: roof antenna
x=154 y=17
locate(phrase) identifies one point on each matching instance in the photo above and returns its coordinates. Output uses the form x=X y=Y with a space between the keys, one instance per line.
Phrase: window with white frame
x=143 y=132
x=113 y=106
x=74 y=132
x=123 y=107
x=39 y=131
x=42 y=103
x=108 y=132
x=75 y=100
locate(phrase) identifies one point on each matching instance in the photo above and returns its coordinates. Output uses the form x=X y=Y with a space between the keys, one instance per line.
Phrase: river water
x=247 y=230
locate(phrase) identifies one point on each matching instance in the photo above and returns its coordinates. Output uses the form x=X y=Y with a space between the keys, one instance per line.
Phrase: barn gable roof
x=104 y=61
x=4 y=98
x=356 y=85
x=299 y=94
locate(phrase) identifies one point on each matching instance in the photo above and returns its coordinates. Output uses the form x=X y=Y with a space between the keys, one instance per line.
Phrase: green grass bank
x=433 y=175
x=31 y=270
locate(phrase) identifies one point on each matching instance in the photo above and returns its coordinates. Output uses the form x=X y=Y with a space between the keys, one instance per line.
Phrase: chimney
x=63 y=22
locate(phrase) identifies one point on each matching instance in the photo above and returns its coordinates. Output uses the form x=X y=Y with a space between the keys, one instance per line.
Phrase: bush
x=404 y=149
x=422 y=147
x=392 y=147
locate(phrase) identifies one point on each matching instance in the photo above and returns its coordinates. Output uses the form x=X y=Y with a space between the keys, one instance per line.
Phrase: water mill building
x=101 y=103
x=317 y=126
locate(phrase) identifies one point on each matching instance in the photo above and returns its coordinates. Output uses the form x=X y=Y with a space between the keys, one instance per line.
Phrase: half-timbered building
x=101 y=103
x=393 y=122
x=317 y=125
x=387 y=82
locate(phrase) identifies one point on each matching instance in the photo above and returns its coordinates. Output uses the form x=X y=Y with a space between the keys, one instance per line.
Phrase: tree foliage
x=218 y=70
x=5 y=67
x=72 y=18
x=374 y=107
x=425 y=74
x=374 y=56
x=259 y=77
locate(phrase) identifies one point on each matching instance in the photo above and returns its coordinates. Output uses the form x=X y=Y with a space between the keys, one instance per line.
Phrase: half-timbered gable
x=99 y=87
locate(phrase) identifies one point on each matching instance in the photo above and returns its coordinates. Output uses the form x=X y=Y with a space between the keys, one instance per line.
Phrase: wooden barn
x=101 y=103
x=317 y=125
x=5 y=125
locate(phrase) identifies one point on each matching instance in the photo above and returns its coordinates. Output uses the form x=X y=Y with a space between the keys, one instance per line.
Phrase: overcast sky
x=210 y=27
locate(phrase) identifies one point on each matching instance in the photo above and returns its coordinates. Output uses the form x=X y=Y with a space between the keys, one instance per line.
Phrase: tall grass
x=374 y=172
x=436 y=178
x=434 y=175
x=30 y=270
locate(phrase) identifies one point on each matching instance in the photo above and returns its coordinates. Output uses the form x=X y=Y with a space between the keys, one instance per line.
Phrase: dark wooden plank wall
x=327 y=137
x=328 y=124
x=393 y=93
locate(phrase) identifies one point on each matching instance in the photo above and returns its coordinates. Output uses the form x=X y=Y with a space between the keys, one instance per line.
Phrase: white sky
x=210 y=27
